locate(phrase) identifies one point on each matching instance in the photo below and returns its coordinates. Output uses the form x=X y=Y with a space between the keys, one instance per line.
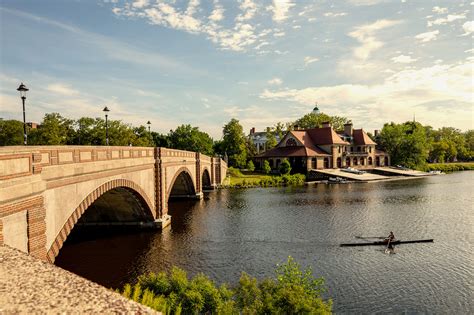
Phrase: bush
x=234 y=172
x=285 y=167
x=292 y=291
x=266 y=167
x=448 y=167
x=250 y=166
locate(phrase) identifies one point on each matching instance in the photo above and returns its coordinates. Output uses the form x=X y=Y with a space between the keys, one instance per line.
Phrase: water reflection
x=252 y=230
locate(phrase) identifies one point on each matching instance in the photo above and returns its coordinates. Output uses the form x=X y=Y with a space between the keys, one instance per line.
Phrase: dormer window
x=291 y=142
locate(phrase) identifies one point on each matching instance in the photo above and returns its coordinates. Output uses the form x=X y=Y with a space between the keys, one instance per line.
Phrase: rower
x=391 y=237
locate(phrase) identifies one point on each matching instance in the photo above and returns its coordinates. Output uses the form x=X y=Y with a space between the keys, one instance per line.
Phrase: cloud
x=428 y=36
x=280 y=9
x=403 y=59
x=275 y=81
x=309 y=60
x=218 y=13
x=332 y=14
x=468 y=27
x=448 y=19
x=365 y=2
x=249 y=8
x=440 y=10
x=365 y=35
x=140 y=3
x=395 y=95
x=62 y=89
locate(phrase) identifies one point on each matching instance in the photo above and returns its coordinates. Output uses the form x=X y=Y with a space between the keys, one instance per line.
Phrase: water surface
x=251 y=230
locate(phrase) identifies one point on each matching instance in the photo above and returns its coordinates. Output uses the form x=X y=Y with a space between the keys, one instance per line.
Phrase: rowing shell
x=385 y=243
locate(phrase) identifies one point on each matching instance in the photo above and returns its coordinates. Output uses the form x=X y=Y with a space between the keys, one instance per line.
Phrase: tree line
x=410 y=144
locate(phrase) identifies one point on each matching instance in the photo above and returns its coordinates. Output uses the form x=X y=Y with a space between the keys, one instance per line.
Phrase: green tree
x=266 y=167
x=11 y=132
x=53 y=130
x=250 y=166
x=285 y=167
x=160 y=140
x=234 y=143
x=406 y=143
x=271 y=139
x=189 y=138
x=142 y=138
x=312 y=120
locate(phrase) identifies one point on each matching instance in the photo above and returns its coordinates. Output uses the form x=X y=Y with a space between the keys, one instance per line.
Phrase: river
x=251 y=230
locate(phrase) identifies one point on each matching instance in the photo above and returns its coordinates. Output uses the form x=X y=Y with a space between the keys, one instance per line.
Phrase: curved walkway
x=31 y=286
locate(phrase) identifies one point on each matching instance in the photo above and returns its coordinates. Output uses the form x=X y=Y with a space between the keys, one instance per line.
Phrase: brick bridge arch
x=186 y=176
x=44 y=190
x=58 y=243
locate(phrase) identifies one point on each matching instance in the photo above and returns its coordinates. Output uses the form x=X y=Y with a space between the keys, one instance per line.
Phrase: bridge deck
x=350 y=176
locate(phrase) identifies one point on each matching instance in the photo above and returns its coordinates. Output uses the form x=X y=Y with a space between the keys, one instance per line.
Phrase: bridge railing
x=18 y=161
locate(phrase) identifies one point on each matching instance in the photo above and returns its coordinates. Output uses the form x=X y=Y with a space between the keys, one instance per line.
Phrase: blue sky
x=204 y=62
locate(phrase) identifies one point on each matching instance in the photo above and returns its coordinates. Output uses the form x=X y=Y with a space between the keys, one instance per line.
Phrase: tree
x=160 y=140
x=53 y=130
x=271 y=139
x=189 y=138
x=250 y=166
x=11 y=132
x=406 y=143
x=234 y=144
x=285 y=167
x=266 y=167
x=313 y=120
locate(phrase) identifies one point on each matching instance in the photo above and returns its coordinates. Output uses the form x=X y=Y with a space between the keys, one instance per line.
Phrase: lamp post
x=106 y=110
x=22 y=89
x=149 y=124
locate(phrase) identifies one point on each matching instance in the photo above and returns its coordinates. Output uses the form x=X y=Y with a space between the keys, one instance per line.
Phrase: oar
x=363 y=237
x=388 y=244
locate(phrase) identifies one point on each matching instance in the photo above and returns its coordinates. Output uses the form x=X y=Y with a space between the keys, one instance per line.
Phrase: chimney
x=326 y=124
x=376 y=132
x=252 y=130
x=348 y=129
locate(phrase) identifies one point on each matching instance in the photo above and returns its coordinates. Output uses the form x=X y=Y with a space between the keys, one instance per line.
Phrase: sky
x=203 y=62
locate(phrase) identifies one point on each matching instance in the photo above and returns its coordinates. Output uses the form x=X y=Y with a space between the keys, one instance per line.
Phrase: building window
x=271 y=163
x=355 y=161
x=313 y=163
x=339 y=149
x=352 y=149
x=348 y=162
x=277 y=163
x=362 y=162
x=370 y=149
x=291 y=142
x=370 y=160
x=358 y=149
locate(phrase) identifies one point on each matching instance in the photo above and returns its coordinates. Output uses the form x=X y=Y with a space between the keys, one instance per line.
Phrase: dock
x=393 y=171
x=366 y=177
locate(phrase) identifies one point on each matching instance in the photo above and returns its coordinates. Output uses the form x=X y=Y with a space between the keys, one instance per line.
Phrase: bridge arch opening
x=116 y=204
x=206 y=180
x=182 y=186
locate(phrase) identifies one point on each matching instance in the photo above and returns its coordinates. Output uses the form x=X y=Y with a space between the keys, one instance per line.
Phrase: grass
x=249 y=178
x=246 y=179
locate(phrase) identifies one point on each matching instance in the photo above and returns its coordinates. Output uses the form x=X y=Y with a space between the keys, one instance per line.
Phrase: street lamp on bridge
x=149 y=124
x=22 y=89
x=106 y=111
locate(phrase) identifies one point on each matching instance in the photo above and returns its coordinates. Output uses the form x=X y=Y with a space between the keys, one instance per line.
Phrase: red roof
x=361 y=138
x=293 y=151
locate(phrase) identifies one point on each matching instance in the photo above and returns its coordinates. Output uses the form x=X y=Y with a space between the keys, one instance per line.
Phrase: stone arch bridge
x=45 y=190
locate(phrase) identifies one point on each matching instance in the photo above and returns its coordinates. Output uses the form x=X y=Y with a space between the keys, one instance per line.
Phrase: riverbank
x=31 y=286
x=449 y=167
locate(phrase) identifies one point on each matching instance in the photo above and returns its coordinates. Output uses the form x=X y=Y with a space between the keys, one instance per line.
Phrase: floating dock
x=366 y=177
x=391 y=171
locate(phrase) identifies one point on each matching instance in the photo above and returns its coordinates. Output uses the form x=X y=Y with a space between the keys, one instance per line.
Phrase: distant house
x=259 y=139
x=320 y=148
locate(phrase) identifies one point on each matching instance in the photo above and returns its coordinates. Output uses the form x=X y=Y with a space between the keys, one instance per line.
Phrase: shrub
x=266 y=167
x=285 y=167
x=293 y=291
x=250 y=166
x=234 y=172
